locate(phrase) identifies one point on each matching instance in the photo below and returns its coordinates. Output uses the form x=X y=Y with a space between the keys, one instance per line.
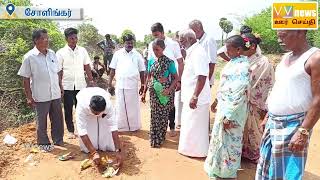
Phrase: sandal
x=66 y=157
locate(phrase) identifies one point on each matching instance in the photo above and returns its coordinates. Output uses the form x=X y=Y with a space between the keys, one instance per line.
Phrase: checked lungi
x=276 y=161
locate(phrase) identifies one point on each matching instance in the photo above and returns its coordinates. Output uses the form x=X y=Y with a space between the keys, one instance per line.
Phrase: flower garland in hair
x=247 y=42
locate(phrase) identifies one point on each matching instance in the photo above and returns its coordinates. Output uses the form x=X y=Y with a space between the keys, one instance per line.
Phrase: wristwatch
x=304 y=131
x=194 y=97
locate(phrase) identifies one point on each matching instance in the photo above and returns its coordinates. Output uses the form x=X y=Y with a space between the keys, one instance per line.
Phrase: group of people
x=263 y=115
x=49 y=77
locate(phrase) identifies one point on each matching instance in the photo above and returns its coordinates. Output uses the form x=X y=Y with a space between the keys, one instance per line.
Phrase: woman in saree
x=225 y=147
x=261 y=82
x=161 y=73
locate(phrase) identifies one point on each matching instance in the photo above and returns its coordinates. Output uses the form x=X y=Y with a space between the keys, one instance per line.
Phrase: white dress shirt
x=43 y=73
x=210 y=46
x=196 y=64
x=128 y=66
x=72 y=62
x=98 y=128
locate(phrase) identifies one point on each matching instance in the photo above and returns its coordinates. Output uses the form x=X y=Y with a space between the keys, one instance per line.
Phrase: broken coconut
x=85 y=164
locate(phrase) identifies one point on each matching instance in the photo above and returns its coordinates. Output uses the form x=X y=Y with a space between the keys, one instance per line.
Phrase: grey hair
x=196 y=23
x=159 y=42
x=187 y=33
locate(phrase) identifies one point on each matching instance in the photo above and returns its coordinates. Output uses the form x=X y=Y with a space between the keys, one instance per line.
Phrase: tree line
x=15 y=41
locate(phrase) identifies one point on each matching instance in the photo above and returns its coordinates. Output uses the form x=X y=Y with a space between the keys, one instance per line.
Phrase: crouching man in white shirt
x=96 y=123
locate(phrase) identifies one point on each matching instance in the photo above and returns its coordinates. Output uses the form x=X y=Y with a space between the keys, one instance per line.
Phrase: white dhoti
x=178 y=106
x=128 y=109
x=194 y=138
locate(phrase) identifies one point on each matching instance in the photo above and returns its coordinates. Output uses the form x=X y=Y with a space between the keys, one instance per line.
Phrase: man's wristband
x=118 y=150
x=194 y=97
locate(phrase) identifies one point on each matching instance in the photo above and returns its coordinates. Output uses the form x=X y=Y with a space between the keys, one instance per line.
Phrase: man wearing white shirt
x=208 y=43
x=195 y=95
x=96 y=123
x=128 y=66
x=173 y=52
x=40 y=69
x=74 y=61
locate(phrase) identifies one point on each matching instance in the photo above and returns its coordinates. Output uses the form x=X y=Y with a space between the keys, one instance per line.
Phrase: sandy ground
x=141 y=162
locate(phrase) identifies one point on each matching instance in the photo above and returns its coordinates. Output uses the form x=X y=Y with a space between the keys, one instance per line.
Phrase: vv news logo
x=297 y=15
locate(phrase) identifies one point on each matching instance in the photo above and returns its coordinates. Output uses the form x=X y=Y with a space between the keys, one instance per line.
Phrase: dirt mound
x=10 y=155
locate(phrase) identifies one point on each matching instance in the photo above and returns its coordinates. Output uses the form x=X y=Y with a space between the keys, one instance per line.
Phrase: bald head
x=187 y=38
x=197 y=27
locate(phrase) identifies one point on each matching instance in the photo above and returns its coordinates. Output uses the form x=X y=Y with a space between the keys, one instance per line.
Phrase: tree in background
x=314 y=35
x=124 y=32
x=139 y=45
x=15 y=41
x=148 y=38
x=89 y=37
x=226 y=27
x=170 y=34
x=115 y=38
x=261 y=24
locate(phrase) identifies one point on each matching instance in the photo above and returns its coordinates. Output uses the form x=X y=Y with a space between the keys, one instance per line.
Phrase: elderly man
x=173 y=52
x=128 y=66
x=208 y=43
x=96 y=123
x=74 y=61
x=40 y=68
x=294 y=109
x=195 y=95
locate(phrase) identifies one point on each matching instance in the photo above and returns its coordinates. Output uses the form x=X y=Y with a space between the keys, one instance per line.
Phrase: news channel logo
x=295 y=15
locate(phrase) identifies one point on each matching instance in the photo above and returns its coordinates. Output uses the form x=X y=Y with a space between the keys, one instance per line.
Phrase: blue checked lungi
x=276 y=161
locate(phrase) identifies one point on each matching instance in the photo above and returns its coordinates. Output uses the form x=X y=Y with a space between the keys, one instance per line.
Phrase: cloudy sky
x=113 y=16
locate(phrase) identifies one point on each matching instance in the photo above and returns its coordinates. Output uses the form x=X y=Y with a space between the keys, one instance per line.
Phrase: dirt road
x=141 y=161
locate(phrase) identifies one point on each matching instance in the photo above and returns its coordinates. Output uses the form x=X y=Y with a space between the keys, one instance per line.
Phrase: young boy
x=96 y=69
